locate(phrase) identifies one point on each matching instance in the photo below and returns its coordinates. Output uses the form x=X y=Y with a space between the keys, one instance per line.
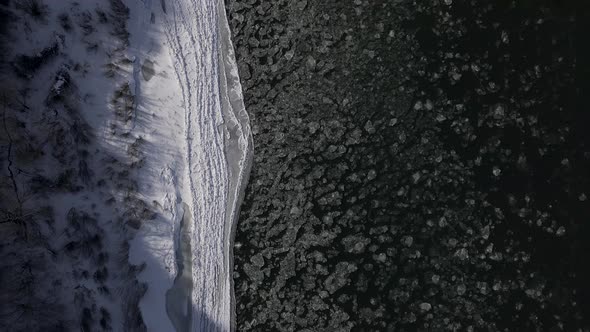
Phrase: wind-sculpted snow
x=218 y=150
x=195 y=91
x=125 y=148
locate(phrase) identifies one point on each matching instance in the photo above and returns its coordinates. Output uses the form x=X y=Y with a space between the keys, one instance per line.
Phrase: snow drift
x=205 y=176
x=125 y=148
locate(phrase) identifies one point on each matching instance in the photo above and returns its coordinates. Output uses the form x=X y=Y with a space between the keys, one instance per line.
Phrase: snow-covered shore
x=125 y=149
x=205 y=130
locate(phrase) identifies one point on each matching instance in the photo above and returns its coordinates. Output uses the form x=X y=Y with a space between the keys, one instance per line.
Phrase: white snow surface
x=200 y=151
x=195 y=150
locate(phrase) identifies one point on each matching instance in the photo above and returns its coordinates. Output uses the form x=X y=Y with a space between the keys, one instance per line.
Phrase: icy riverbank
x=125 y=148
x=208 y=139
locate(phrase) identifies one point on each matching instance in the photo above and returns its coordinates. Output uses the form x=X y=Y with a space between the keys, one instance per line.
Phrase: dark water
x=449 y=136
x=536 y=55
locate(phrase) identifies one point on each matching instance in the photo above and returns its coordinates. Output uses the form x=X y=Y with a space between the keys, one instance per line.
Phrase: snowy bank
x=202 y=154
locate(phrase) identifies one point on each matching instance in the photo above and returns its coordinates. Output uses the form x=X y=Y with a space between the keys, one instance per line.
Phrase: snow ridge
x=212 y=132
x=239 y=144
